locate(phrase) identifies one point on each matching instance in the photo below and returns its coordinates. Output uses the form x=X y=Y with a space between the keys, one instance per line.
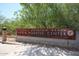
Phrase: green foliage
x=44 y=15
x=50 y=15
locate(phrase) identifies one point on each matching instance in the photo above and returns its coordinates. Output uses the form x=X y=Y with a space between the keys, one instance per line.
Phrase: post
x=4 y=35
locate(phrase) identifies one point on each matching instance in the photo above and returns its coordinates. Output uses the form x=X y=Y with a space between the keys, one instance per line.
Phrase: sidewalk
x=10 y=47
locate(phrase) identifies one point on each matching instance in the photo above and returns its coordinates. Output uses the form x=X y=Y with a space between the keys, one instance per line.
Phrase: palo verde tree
x=50 y=15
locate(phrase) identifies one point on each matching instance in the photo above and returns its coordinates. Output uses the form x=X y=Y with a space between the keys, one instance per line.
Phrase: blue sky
x=8 y=9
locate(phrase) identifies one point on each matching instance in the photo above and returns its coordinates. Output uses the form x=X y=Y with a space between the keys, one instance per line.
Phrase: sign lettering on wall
x=49 y=33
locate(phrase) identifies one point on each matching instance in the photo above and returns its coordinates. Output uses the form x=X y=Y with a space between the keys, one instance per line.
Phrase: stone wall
x=50 y=41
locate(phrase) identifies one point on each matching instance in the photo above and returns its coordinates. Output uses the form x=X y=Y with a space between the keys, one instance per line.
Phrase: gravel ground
x=12 y=48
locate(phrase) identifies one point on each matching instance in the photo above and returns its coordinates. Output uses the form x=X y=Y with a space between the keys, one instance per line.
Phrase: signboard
x=48 y=33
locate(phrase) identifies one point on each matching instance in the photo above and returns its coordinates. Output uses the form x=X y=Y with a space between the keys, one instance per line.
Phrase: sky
x=8 y=9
